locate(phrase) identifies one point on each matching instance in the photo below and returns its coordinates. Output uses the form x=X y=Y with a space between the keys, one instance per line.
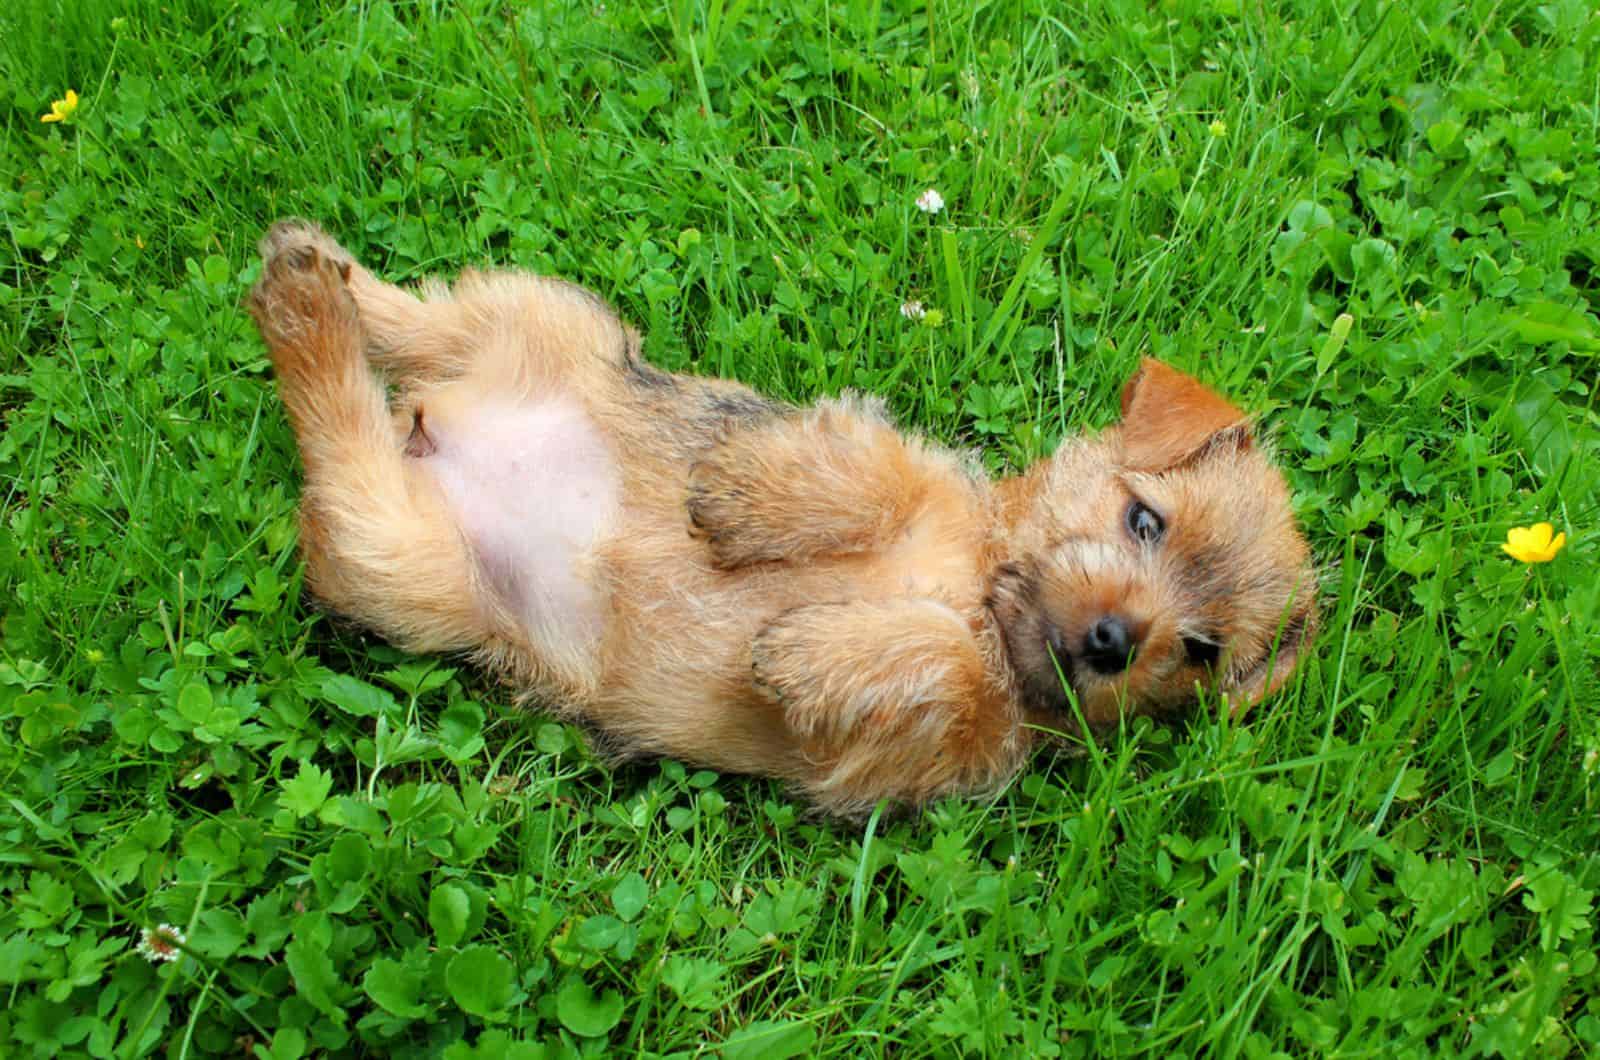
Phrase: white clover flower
x=970 y=84
x=913 y=310
x=160 y=943
x=930 y=201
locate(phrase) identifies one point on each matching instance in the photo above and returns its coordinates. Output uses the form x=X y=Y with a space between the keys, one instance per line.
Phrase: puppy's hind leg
x=415 y=341
x=379 y=543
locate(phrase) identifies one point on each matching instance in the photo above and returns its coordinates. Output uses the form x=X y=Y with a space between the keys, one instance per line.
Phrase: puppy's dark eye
x=1144 y=523
x=1201 y=652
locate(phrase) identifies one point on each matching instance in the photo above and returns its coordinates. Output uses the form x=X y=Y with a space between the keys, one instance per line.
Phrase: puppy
x=804 y=593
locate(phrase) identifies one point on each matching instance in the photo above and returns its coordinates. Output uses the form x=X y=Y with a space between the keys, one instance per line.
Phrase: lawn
x=1373 y=224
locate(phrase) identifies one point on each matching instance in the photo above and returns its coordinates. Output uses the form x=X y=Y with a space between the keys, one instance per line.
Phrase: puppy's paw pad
x=760 y=677
x=302 y=295
x=301 y=291
x=788 y=669
x=767 y=651
x=717 y=516
x=706 y=524
x=295 y=246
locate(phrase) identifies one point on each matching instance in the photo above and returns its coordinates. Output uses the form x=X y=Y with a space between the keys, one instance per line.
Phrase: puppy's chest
x=532 y=486
x=937 y=554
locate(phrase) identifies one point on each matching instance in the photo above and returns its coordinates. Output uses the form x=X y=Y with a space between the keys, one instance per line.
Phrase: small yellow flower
x=1219 y=128
x=62 y=109
x=1533 y=544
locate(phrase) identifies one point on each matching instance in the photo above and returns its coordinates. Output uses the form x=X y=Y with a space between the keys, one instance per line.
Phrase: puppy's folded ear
x=1168 y=417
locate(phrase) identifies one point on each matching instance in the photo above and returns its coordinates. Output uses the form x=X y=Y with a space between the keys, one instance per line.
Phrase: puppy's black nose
x=1108 y=647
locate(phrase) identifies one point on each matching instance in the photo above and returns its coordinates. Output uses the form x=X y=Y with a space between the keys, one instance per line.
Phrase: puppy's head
x=1161 y=557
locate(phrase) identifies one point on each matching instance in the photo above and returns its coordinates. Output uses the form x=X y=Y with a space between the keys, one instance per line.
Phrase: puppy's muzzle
x=1109 y=646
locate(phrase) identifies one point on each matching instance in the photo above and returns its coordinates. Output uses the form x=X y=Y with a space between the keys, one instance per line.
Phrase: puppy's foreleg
x=379 y=544
x=893 y=697
x=830 y=480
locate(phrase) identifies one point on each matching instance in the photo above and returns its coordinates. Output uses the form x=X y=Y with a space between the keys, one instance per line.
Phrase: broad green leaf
x=584 y=1014
x=418 y=678
x=629 y=896
x=449 y=909
x=1543 y=425
x=1372 y=258
x=288 y=1043
x=459 y=729
x=349 y=858
x=481 y=981
x=215 y=269
x=314 y=977
x=1552 y=322
x=600 y=932
x=696 y=981
x=354 y=696
x=397 y=986
x=195 y=702
x=1443 y=135
x=220 y=932
x=551 y=738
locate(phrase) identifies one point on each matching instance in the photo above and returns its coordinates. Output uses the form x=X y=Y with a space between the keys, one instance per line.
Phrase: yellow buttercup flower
x=1533 y=544
x=62 y=109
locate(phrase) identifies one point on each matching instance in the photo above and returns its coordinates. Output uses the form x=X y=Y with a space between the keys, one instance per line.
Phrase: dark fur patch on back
x=639 y=370
x=642 y=373
x=739 y=406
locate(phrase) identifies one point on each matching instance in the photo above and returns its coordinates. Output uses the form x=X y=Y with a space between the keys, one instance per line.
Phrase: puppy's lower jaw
x=1040 y=675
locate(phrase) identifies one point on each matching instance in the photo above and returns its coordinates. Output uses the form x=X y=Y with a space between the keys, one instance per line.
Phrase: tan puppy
x=697 y=571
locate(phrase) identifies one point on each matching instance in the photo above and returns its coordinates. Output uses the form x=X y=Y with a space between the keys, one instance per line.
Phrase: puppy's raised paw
x=839 y=670
x=296 y=245
x=777 y=489
x=719 y=504
x=302 y=303
x=783 y=669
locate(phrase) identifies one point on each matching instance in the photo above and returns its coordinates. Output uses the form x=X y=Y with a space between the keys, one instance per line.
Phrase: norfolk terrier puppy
x=695 y=570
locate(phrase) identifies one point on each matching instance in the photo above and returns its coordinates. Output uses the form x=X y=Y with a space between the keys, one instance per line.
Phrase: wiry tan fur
x=800 y=593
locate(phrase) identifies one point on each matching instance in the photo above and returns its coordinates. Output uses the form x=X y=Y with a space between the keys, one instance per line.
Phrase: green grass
x=372 y=853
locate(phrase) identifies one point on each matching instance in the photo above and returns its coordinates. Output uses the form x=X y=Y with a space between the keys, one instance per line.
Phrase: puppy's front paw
x=718 y=504
x=823 y=664
x=781 y=668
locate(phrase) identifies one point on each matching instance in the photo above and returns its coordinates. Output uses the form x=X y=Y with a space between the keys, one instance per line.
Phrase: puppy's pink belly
x=532 y=487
